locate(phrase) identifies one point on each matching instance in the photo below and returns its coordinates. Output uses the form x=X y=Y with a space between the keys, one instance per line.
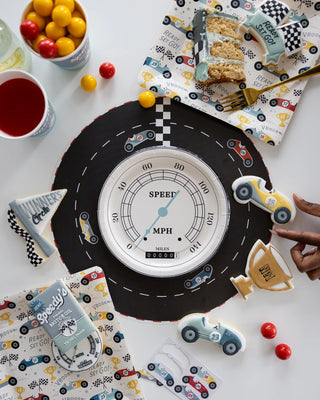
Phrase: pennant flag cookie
x=276 y=39
x=29 y=216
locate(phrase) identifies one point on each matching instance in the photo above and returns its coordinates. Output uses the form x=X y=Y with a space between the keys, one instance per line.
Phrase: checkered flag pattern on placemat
x=198 y=50
x=291 y=34
x=276 y=10
x=34 y=258
x=163 y=119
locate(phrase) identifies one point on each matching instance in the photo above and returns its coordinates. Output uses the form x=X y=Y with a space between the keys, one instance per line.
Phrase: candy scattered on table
x=88 y=83
x=29 y=29
x=147 y=99
x=283 y=351
x=268 y=330
x=107 y=70
x=47 y=48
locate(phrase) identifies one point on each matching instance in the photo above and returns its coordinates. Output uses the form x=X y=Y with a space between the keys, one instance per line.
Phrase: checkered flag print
x=163 y=119
x=198 y=52
x=33 y=257
x=276 y=10
x=291 y=35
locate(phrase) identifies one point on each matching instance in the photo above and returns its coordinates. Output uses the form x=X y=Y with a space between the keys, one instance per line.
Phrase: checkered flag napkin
x=276 y=10
x=34 y=258
x=291 y=35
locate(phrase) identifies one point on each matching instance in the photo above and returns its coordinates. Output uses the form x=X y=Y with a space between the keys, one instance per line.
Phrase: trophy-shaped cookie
x=266 y=269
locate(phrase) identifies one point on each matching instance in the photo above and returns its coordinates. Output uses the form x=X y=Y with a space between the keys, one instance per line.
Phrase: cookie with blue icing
x=266 y=25
x=216 y=48
x=29 y=217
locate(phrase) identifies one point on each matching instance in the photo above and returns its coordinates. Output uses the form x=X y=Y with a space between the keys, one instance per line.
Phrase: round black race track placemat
x=98 y=150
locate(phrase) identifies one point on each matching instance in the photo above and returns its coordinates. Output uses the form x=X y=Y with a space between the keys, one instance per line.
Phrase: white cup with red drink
x=25 y=110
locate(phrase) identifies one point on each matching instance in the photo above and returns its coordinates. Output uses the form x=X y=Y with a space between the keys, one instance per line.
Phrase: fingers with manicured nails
x=308 y=262
x=311 y=238
x=306 y=206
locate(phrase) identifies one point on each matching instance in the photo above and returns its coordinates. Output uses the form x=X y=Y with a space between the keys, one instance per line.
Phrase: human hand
x=308 y=261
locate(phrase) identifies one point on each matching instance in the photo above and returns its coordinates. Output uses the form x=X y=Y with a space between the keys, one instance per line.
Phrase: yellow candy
x=55 y=31
x=147 y=99
x=68 y=3
x=75 y=40
x=43 y=7
x=65 y=46
x=77 y=27
x=61 y=15
x=37 y=41
x=77 y=14
x=38 y=19
x=88 y=83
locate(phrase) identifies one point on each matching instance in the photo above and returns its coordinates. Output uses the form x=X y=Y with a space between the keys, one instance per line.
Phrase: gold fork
x=245 y=97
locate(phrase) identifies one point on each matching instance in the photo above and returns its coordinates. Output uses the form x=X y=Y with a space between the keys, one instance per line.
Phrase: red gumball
x=47 y=48
x=107 y=70
x=283 y=351
x=29 y=29
x=268 y=330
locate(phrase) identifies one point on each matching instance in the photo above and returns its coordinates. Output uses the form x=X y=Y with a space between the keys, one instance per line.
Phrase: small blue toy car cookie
x=197 y=326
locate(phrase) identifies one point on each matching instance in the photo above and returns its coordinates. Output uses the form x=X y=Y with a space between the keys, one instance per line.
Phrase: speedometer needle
x=162 y=212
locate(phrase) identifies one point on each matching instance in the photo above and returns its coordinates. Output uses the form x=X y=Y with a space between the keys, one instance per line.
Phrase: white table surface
x=121 y=32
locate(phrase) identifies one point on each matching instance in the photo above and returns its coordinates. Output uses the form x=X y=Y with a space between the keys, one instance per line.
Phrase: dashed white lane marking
x=84 y=171
x=179 y=294
x=120 y=133
x=243 y=240
x=188 y=126
x=230 y=156
x=144 y=294
x=106 y=143
x=75 y=205
x=93 y=156
x=224 y=270
x=137 y=126
x=219 y=144
x=235 y=256
x=88 y=255
x=78 y=187
x=127 y=289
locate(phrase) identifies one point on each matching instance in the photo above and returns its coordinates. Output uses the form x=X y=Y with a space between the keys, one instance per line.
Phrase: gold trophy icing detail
x=266 y=269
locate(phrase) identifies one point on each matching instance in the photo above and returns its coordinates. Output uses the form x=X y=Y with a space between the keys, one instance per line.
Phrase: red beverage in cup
x=25 y=110
x=22 y=106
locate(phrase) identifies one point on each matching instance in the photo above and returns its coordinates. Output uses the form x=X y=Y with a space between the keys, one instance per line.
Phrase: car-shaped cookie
x=197 y=326
x=253 y=188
